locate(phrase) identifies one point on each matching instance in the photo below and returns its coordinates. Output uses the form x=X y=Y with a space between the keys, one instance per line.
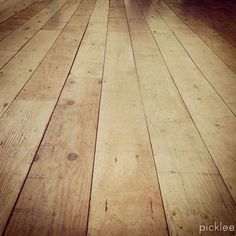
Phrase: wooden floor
x=117 y=117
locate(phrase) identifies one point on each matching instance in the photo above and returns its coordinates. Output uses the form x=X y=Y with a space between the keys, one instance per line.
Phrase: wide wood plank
x=215 y=71
x=68 y=147
x=10 y=45
x=214 y=120
x=23 y=125
x=125 y=194
x=23 y=65
x=192 y=188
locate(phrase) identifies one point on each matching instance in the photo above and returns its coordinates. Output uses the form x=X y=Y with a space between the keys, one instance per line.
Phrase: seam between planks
x=199 y=35
x=31 y=36
x=188 y=110
x=19 y=12
x=196 y=33
x=193 y=59
x=32 y=162
x=41 y=60
x=24 y=22
x=99 y=109
x=145 y=118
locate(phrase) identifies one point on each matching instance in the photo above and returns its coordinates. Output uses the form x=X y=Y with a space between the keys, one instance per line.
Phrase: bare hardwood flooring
x=117 y=117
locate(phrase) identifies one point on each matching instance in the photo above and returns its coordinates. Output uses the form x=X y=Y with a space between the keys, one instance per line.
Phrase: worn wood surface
x=117 y=117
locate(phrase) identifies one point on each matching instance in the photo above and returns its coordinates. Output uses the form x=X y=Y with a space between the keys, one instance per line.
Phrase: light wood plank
x=125 y=194
x=62 y=170
x=215 y=71
x=23 y=125
x=192 y=188
x=10 y=45
x=19 y=70
x=214 y=120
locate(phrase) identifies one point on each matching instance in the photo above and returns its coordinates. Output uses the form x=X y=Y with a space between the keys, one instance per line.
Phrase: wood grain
x=23 y=65
x=23 y=125
x=10 y=45
x=189 y=14
x=125 y=195
x=214 y=120
x=192 y=188
x=62 y=171
x=14 y=22
x=208 y=63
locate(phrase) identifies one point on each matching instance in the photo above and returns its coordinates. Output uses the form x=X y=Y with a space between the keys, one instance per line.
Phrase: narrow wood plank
x=125 y=194
x=62 y=170
x=23 y=65
x=19 y=19
x=192 y=188
x=223 y=49
x=215 y=71
x=10 y=45
x=23 y=125
x=214 y=120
